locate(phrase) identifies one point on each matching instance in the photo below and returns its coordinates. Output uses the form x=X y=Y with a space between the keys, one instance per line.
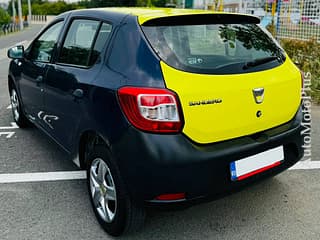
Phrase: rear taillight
x=151 y=109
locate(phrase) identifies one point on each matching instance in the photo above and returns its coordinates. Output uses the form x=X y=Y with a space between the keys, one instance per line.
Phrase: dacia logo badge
x=258 y=94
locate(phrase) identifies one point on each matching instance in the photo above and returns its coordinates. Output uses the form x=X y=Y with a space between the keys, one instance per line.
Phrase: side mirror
x=16 y=52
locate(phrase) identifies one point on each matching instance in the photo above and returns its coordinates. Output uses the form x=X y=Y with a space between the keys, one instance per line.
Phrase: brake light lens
x=151 y=109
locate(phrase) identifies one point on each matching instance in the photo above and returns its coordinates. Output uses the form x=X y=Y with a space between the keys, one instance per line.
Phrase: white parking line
x=42 y=176
x=305 y=165
x=13 y=126
x=78 y=175
x=9 y=134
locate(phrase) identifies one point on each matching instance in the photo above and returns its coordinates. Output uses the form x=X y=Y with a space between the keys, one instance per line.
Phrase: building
x=244 y=6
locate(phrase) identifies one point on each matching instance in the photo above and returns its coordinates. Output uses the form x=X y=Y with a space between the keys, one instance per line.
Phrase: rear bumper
x=153 y=164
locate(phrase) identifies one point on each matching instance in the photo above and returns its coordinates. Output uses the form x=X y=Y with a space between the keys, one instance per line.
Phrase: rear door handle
x=39 y=79
x=78 y=93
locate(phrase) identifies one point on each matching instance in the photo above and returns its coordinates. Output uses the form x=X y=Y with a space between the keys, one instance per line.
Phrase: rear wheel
x=115 y=210
x=17 y=111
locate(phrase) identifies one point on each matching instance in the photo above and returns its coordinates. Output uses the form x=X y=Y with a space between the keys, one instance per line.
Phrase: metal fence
x=8 y=28
x=298 y=19
x=15 y=26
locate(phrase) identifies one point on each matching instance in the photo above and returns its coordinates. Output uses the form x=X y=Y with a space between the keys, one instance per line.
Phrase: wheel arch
x=87 y=141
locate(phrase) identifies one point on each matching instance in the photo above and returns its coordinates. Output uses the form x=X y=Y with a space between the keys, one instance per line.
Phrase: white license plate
x=255 y=164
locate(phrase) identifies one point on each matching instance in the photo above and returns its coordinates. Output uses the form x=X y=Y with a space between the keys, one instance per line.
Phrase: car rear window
x=215 y=48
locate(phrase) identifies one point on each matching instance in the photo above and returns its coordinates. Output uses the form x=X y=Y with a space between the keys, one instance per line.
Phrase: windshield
x=215 y=48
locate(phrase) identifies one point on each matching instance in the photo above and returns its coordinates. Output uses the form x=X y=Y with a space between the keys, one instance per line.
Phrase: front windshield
x=213 y=48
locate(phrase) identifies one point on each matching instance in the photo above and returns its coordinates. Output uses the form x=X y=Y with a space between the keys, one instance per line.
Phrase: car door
x=67 y=82
x=34 y=68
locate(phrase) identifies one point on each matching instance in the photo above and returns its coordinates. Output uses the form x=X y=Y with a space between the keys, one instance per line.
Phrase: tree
x=4 y=16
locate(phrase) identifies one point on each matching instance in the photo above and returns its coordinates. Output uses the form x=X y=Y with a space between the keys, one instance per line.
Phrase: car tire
x=115 y=210
x=17 y=110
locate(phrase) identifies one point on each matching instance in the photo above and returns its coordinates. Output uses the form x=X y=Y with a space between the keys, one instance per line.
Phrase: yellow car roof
x=146 y=14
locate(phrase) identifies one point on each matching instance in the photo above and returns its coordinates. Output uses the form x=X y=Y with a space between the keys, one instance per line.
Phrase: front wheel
x=116 y=212
x=17 y=111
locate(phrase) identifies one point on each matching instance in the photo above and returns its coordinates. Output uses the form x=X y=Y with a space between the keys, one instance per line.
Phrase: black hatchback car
x=160 y=106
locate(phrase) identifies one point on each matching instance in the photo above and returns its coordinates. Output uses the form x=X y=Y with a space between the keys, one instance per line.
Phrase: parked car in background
x=160 y=106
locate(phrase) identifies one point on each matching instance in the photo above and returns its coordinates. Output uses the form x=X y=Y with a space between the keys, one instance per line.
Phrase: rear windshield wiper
x=260 y=61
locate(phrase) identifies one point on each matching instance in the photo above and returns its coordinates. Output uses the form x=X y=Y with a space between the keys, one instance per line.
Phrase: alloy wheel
x=15 y=105
x=103 y=190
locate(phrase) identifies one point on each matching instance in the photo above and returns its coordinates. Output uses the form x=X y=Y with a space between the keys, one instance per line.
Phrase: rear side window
x=101 y=40
x=215 y=48
x=84 y=42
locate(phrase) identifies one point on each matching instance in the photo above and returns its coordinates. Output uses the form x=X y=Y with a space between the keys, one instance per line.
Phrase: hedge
x=307 y=56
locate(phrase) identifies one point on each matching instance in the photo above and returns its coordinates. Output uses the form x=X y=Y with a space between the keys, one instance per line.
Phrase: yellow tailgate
x=221 y=107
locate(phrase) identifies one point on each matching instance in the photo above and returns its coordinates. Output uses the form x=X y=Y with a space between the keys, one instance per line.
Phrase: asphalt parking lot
x=55 y=205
